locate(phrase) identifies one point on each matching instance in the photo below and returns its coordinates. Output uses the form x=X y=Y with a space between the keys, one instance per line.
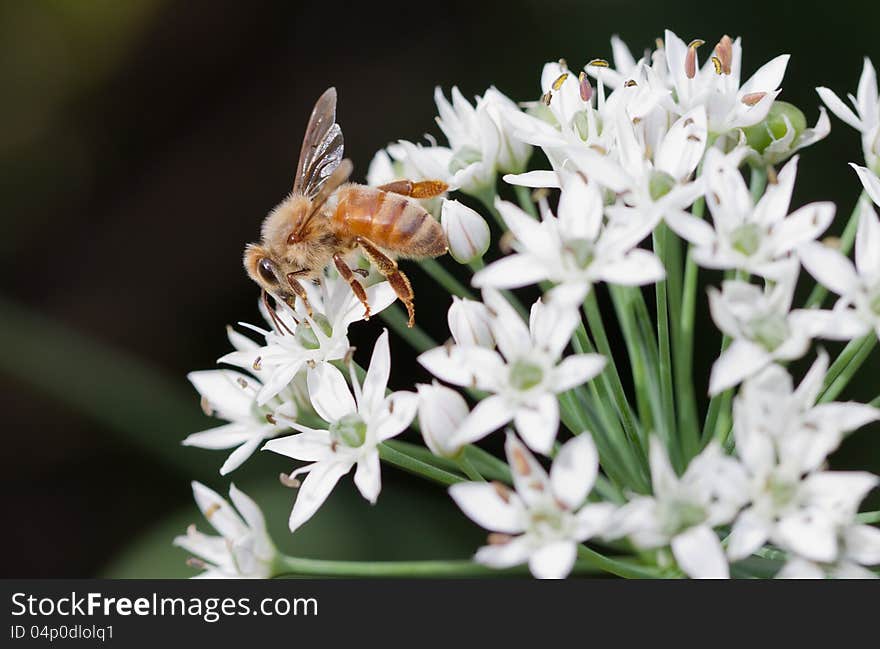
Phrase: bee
x=326 y=219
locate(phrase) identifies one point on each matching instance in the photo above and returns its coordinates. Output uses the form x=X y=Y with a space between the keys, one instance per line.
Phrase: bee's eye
x=267 y=271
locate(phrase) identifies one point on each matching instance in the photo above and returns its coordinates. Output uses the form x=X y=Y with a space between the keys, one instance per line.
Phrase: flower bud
x=441 y=412
x=469 y=322
x=466 y=231
x=782 y=118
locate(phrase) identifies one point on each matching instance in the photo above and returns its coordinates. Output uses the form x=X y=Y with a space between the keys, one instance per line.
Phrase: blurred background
x=142 y=142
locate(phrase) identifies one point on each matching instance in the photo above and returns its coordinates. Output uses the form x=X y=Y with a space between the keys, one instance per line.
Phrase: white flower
x=525 y=381
x=748 y=236
x=859 y=284
x=866 y=118
x=474 y=139
x=441 y=412
x=543 y=521
x=470 y=323
x=804 y=432
x=683 y=511
x=764 y=329
x=309 y=341
x=479 y=139
x=232 y=396
x=717 y=84
x=859 y=547
x=799 y=514
x=243 y=549
x=780 y=436
x=356 y=426
x=574 y=249
x=466 y=231
x=651 y=178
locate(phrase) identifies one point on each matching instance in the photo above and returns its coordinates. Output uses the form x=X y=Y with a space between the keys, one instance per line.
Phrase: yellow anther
x=717 y=63
x=559 y=81
x=599 y=63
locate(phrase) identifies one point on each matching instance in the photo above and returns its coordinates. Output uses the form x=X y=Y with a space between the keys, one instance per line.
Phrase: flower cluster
x=615 y=460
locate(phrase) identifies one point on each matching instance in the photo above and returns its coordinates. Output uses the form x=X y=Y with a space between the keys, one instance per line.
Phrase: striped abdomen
x=391 y=221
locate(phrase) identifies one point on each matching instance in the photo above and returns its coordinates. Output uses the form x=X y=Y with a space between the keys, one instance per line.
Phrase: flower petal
x=368 y=476
x=699 y=553
x=489 y=506
x=489 y=415
x=315 y=489
x=576 y=370
x=554 y=560
x=376 y=380
x=574 y=470
x=739 y=361
x=329 y=393
x=537 y=423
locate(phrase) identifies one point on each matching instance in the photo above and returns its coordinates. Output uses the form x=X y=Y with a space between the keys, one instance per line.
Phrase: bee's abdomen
x=391 y=221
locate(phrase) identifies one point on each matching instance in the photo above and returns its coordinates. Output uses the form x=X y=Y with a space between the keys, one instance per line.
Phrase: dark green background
x=141 y=143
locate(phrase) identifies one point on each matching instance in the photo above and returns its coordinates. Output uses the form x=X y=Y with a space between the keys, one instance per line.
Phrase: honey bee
x=325 y=219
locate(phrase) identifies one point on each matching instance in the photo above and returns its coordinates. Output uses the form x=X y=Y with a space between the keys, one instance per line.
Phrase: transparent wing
x=322 y=147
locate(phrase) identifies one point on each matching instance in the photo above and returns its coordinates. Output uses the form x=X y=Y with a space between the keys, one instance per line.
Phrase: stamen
x=242 y=383
x=630 y=83
x=690 y=59
x=211 y=510
x=194 y=562
x=287 y=481
x=753 y=98
x=271 y=419
x=771 y=176
x=496 y=538
x=520 y=463
x=599 y=149
x=258 y=363
x=545 y=98
x=556 y=85
x=832 y=242
x=584 y=86
x=717 y=63
x=599 y=63
x=502 y=491
x=724 y=50
x=206 y=406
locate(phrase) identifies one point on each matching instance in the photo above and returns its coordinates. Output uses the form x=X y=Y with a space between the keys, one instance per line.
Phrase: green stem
x=869 y=518
x=597 y=327
x=468 y=469
x=418 y=467
x=667 y=429
x=619 y=567
x=446 y=279
x=846 y=365
x=301 y=567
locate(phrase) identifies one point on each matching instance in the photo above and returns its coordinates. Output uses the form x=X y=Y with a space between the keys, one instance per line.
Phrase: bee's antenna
x=278 y=323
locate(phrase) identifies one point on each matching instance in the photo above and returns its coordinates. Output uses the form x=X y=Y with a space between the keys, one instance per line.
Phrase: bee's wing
x=322 y=147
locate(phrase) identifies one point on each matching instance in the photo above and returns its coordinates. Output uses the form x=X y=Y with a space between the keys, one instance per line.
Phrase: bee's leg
x=300 y=292
x=421 y=189
x=388 y=268
x=277 y=322
x=356 y=287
